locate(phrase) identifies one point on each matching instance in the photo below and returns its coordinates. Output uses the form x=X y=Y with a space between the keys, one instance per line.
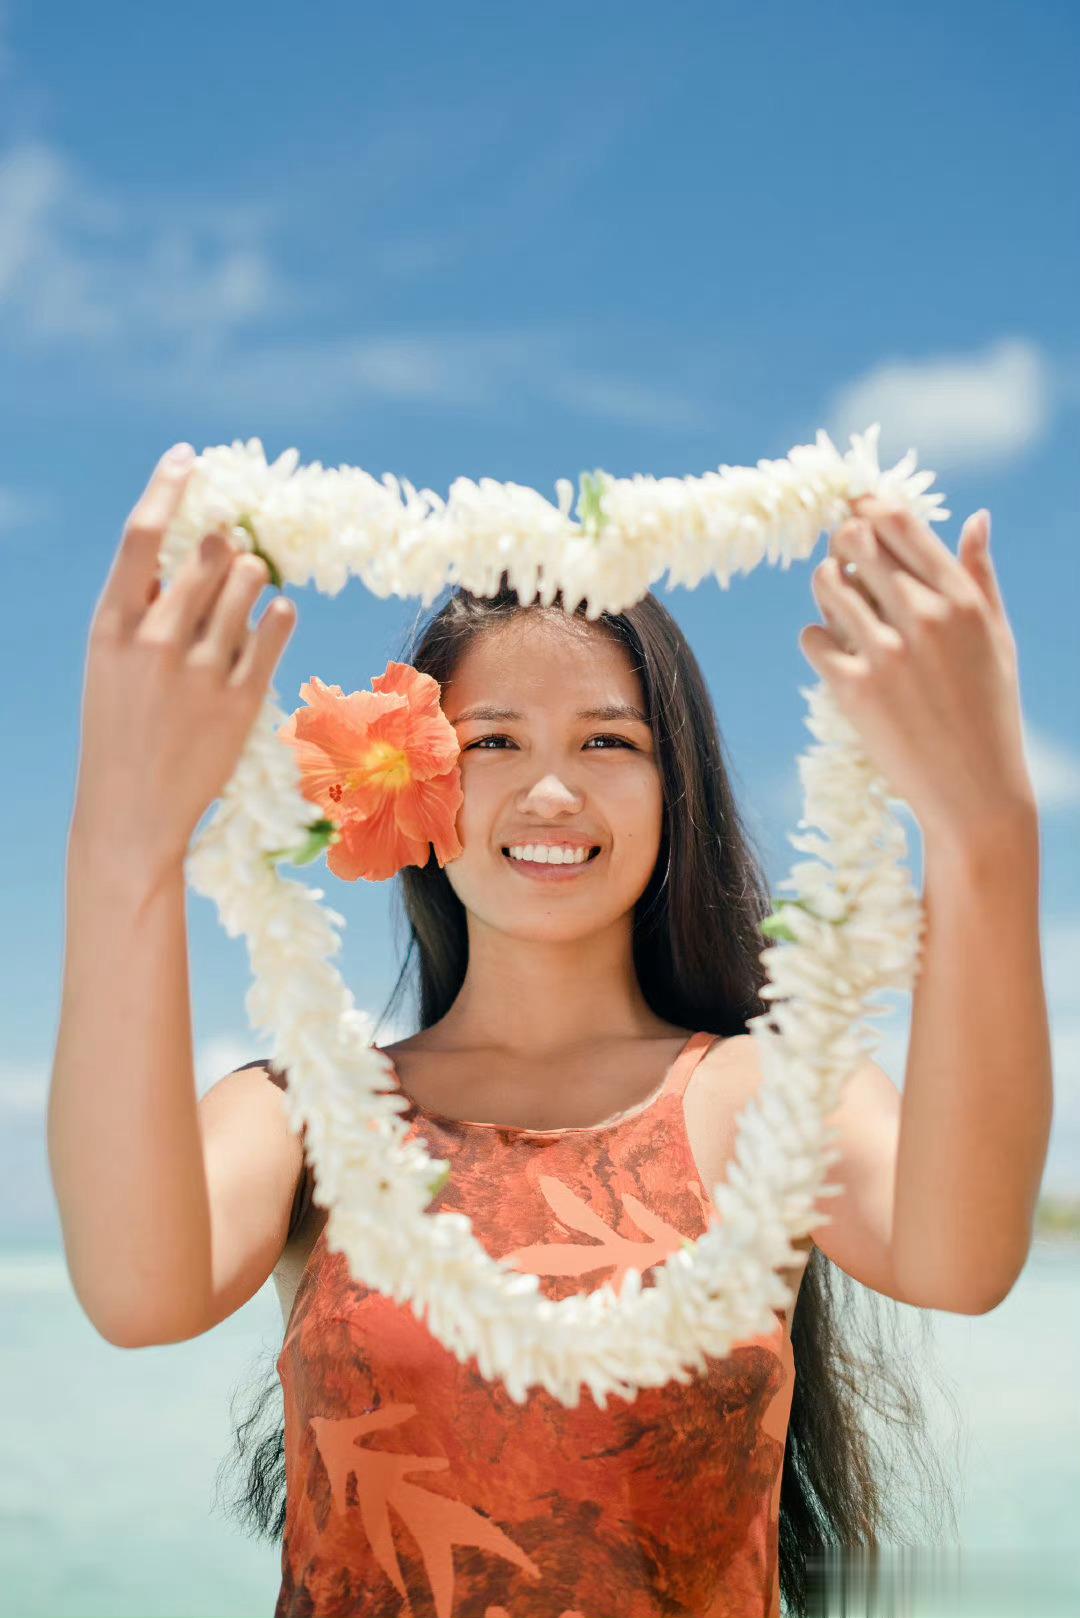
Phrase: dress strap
x=687 y=1060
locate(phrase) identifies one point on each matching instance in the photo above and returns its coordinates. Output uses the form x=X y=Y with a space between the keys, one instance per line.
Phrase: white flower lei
x=852 y=930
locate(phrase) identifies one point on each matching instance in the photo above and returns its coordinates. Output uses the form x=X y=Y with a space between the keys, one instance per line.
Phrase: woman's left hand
x=926 y=671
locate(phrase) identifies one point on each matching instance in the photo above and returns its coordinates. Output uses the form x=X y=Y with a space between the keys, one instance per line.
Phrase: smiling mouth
x=555 y=863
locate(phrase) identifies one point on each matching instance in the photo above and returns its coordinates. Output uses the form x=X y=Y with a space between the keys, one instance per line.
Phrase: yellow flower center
x=384 y=765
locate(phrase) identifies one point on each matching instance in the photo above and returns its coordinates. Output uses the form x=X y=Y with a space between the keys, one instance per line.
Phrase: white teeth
x=549 y=854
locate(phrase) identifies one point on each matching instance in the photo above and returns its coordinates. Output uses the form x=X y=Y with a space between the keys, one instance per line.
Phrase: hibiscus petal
x=336 y=747
x=432 y=742
x=432 y=746
x=375 y=849
x=429 y=809
x=421 y=690
x=341 y=725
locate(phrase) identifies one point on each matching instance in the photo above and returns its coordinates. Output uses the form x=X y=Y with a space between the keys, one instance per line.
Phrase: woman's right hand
x=174 y=682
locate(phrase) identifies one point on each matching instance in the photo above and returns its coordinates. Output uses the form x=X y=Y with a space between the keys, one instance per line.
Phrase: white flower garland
x=852 y=930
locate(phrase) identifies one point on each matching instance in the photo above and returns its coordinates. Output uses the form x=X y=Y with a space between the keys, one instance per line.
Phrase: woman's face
x=546 y=768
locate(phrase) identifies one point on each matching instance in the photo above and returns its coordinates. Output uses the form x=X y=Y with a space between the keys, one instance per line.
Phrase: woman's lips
x=551 y=873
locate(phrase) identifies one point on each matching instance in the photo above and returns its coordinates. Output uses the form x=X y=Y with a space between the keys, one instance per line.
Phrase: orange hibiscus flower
x=382 y=765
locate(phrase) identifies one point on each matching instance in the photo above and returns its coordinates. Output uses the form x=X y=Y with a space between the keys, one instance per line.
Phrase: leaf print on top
x=608 y=1251
x=436 y=1523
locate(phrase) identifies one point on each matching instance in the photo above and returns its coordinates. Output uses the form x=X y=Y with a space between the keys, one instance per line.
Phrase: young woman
x=581 y=1059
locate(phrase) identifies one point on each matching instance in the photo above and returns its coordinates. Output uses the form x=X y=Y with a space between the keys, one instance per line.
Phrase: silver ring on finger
x=850 y=570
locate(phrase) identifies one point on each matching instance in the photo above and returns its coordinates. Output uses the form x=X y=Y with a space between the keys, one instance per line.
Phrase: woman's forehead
x=544 y=664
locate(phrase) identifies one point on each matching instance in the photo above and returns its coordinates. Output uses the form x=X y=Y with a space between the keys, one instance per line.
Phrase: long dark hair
x=697 y=940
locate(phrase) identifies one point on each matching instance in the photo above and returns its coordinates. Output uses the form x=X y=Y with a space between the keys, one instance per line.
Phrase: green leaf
x=320 y=835
x=774 y=925
x=592 y=515
x=776 y=928
x=439 y=1181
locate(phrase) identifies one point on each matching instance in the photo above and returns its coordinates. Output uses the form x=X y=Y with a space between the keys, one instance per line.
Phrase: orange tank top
x=416 y=1487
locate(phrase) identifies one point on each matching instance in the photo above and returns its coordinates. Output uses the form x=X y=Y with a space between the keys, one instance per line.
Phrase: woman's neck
x=537 y=996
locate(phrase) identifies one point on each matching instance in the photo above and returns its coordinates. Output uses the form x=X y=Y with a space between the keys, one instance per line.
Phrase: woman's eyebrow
x=612 y=710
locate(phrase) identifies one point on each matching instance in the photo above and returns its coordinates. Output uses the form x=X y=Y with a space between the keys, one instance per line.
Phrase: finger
x=821 y=583
x=911 y=542
x=129 y=588
x=227 y=622
x=847 y=609
x=256 y=663
x=177 y=614
x=854 y=542
x=975 y=553
x=888 y=588
x=825 y=654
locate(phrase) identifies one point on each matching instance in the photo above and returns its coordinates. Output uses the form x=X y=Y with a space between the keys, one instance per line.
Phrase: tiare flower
x=382 y=766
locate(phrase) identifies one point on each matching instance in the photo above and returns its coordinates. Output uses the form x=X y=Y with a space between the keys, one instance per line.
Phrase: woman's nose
x=552 y=789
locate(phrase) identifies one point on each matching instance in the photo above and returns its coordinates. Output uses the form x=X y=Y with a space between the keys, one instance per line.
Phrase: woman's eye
x=603 y=737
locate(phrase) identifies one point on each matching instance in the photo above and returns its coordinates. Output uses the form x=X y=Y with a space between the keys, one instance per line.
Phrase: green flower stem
x=320 y=835
x=774 y=925
x=245 y=522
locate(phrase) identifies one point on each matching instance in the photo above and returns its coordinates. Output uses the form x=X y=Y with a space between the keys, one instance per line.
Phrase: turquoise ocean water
x=109 y=1456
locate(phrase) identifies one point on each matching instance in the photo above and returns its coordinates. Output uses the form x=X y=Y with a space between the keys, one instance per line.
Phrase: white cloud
x=79 y=264
x=223 y=1054
x=164 y=290
x=1055 y=770
x=637 y=404
x=313 y=379
x=23 y=1090
x=20 y=509
x=482 y=370
x=956 y=410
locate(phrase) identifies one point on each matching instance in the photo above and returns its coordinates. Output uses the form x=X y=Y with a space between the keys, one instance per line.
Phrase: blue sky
x=517 y=242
